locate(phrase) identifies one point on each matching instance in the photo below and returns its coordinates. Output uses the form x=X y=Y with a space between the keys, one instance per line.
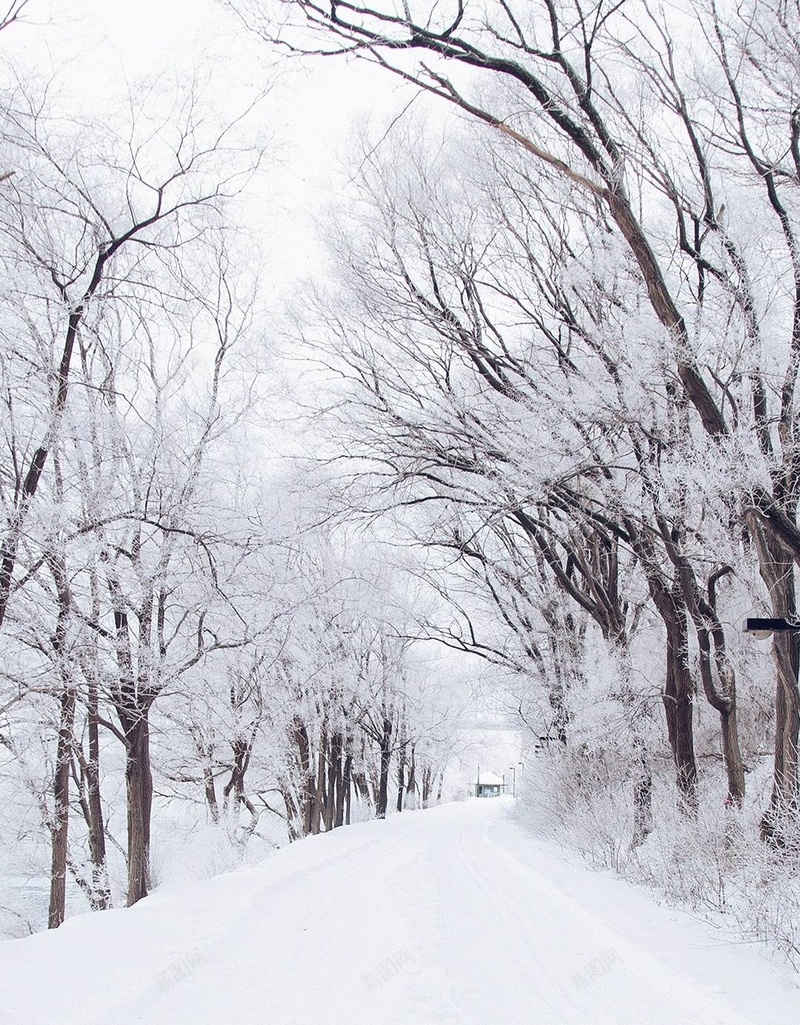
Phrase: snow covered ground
x=452 y=915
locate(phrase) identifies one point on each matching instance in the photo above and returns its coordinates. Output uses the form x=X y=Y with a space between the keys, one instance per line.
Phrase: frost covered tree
x=346 y=697
x=523 y=425
x=117 y=282
x=678 y=129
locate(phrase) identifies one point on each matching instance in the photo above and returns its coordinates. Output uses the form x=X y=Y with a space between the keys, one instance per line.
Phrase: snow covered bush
x=712 y=863
x=578 y=798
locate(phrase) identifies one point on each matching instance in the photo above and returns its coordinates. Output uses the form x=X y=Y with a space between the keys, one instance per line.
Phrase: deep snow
x=452 y=915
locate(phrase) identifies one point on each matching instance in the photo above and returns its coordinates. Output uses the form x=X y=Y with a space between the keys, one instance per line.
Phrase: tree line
x=167 y=630
x=572 y=336
x=567 y=327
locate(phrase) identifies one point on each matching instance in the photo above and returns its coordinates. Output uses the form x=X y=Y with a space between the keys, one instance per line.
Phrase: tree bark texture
x=777 y=572
x=386 y=756
x=139 y=785
x=60 y=822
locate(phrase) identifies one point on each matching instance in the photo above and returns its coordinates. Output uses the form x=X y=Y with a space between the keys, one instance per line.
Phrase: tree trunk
x=411 y=783
x=87 y=773
x=334 y=781
x=343 y=797
x=348 y=773
x=96 y=823
x=783 y=807
x=732 y=754
x=383 y=781
x=427 y=785
x=299 y=790
x=307 y=788
x=362 y=787
x=401 y=777
x=60 y=822
x=777 y=572
x=139 y=781
x=210 y=793
x=679 y=708
x=642 y=795
x=678 y=688
x=241 y=749
x=720 y=693
x=319 y=793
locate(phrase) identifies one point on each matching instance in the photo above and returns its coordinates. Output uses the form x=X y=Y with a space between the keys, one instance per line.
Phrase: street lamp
x=513 y=780
x=764 y=628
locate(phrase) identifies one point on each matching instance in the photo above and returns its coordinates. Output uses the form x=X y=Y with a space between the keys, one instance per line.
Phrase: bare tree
x=578 y=92
x=81 y=232
x=13 y=13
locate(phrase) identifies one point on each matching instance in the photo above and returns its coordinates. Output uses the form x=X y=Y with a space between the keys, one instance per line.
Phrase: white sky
x=101 y=49
x=99 y=52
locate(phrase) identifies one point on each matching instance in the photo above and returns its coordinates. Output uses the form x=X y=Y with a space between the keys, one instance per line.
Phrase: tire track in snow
x=492 y=926
x=561 y=937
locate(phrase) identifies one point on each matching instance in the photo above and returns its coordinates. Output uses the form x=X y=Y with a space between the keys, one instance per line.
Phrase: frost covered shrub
x=767 y=904
x=687 y=857
x=713 y=863
x=188 y=847
x=717 y=864
x=576 y=798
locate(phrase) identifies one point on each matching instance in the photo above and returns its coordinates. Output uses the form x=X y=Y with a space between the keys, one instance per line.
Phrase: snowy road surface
x=453 y=915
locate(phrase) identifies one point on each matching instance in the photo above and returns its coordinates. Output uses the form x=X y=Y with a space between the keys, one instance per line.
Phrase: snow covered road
x=453 y=915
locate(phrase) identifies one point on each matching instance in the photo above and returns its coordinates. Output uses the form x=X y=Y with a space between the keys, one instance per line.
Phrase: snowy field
x=453 y=915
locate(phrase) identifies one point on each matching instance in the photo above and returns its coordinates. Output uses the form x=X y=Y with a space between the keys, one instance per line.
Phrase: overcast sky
x=101 y=49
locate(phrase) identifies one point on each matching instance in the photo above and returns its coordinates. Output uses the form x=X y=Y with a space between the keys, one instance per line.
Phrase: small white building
x=489 y=785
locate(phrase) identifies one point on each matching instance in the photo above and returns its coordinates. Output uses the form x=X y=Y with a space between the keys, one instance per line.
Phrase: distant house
x=489 y=785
